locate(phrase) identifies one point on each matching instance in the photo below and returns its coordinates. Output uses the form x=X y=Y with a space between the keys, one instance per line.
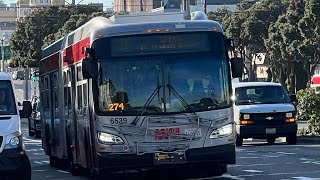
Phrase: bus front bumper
x=224 y=154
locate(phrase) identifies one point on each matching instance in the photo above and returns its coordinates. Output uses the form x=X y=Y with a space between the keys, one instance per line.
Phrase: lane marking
x=270 y=164
x=65 y=172
x=305 y=178
x=252 y=171
x=277 y=174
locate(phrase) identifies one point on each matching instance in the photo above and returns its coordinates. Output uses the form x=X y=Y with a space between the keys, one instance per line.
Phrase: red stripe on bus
x=71 y=55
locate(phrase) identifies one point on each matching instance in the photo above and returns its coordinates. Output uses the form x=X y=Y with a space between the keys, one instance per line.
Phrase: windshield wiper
x=180 y=98
x=149 y=100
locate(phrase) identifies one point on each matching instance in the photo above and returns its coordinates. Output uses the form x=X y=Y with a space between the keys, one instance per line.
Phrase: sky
x=106 y=3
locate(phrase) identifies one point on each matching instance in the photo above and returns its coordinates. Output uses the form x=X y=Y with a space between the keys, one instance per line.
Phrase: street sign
x=6 y=52
x=262 y=72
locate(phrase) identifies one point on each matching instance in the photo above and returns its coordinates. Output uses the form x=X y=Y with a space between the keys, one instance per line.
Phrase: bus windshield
x=7 y=102
x=163 y=84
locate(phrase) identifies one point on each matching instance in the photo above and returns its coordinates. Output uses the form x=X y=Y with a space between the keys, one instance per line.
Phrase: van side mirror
x=26 y=109
x=237 y=67
x=293 y=98
x=90 y=68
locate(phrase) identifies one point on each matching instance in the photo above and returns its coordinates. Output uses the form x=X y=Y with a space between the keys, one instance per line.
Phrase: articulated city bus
x=139 y=92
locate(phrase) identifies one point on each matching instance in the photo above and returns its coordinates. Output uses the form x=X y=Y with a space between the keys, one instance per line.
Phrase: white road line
x=277 y=174
x=271 y=164
x=66 y=172
x=252 y=171
x=37 y=162
x=45 y=162
x=229 y=176
x=286 y=153
x=305 y=178
x=20 y=90
x=39 y=170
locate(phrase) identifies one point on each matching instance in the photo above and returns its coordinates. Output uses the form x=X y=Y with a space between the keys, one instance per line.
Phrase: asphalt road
x=255 y=160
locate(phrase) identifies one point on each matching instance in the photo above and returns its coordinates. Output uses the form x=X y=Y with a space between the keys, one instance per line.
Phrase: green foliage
x=44 y=27
x=308 y=108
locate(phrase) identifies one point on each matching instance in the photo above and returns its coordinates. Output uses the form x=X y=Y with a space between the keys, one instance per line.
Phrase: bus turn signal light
x=290 y=120
x=245 y=122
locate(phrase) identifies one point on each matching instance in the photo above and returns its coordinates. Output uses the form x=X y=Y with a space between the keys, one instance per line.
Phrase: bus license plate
x=271 y=131
x=167 y=158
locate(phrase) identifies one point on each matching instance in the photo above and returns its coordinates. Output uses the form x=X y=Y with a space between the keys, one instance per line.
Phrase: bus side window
x=85 y=97
x=79 y=91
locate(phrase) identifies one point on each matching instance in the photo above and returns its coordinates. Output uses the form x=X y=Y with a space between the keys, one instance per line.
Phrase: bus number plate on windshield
x=118 y=120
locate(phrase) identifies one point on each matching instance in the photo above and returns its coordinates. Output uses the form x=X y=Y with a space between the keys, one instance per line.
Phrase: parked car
x=34 y=122
x=263 y=110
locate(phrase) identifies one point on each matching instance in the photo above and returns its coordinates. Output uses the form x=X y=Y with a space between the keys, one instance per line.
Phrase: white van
x=14 y=163
x=263 y=110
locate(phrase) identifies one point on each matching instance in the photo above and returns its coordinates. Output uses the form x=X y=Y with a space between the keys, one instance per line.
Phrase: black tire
x=31 y=132
x=37 y=134
x=271 y=140
x=239 y=140
x=292 y=139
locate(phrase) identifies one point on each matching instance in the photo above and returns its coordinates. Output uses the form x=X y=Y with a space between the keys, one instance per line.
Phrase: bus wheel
x=53 y=161
x=221 y=169
x=75 y=171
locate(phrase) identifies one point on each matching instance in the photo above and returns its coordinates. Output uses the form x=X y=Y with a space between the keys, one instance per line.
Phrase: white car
x=263 y=110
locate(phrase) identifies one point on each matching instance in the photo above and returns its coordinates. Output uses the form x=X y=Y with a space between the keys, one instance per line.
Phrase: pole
x=125 y=6
x=73 y=2
x=2 y=55
x=205 y=6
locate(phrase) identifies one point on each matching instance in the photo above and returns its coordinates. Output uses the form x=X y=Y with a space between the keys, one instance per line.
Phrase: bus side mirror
x=237 y=67
x=26 y=109
x=90 y=68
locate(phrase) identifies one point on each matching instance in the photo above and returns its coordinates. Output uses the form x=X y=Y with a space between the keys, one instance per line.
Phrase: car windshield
x=153 y=85
x=7 y=102
x=261 y=95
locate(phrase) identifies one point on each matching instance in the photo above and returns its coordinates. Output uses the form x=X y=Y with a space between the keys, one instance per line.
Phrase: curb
x=308 y=139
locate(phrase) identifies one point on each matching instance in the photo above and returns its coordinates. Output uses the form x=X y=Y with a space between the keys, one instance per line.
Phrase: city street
x=255 y=160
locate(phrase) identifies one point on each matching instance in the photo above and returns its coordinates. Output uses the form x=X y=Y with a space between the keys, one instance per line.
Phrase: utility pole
x=2 y=54
x=73 y=2
x=125 y=6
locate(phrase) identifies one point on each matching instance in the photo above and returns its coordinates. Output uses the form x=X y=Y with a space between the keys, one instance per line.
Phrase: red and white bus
x=125 y=94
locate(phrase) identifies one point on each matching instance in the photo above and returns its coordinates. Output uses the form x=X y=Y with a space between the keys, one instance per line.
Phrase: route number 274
x=116 y=106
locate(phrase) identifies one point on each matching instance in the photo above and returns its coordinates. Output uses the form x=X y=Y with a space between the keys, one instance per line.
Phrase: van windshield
x=7 y=102
x=261 y=95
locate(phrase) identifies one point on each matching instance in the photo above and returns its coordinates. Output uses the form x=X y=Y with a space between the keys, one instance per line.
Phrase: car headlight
x=109 y=138
x=223 y=131
x=13 y=140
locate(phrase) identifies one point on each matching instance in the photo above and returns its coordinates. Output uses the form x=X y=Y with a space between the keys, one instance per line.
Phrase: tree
x=41 y=25
x=309 y=27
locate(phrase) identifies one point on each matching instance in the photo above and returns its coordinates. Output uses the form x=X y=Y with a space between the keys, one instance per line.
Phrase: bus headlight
x=225 y=130
x=109 y=138
x=13 y=140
